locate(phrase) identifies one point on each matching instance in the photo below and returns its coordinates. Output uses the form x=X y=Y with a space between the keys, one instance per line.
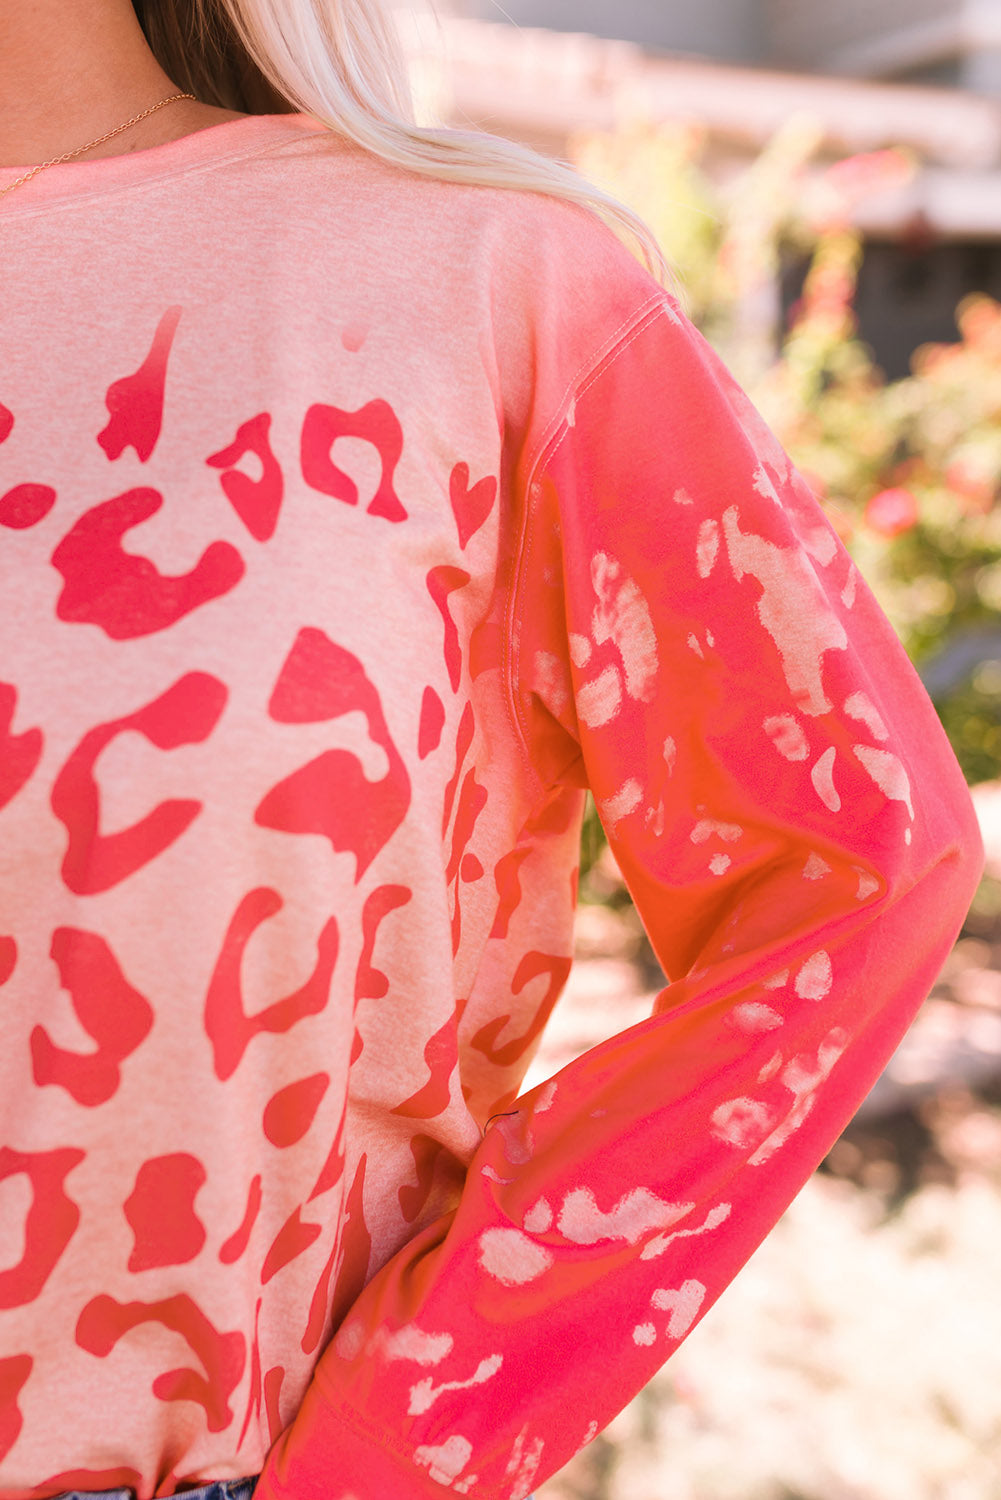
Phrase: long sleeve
x=689 y=639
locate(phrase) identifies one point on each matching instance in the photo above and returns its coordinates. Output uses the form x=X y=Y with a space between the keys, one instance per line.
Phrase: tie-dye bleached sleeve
x=693 y=642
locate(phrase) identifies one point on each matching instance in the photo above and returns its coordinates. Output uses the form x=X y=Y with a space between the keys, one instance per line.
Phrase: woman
x=363 y=503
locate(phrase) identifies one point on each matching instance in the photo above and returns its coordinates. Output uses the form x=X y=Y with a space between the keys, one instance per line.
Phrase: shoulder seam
x=658 y=305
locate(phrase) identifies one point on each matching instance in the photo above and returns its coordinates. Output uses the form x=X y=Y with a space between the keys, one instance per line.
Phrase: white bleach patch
x=820 y=544
x=551 y=676
x=776 y=981
x=582 y=1222
x=887 y=772
x=580 y=649
x=816 y=868
x=763 y=485
x=803 y=1079
x=793 y=610
x=413 y=1344
x=510 y=1257
x=770 y=1068
x=523 y=1464
x=622 y=616
x=707 y=547
x=545 y=1097
x=682 y=497
x=572 y=413
x=720 y=863
x=425 y=1393
x=349 y=1340
x=868 y=885
x=644 y=1333
x=710 y=638
x=599 y=700
x=492 y=1175
x=860 y=707
x=741 y=1122
x=446 y=1461
x=788 y=736
x=848 y=592
x=539 y=1217
x=693 y=642
x=707 y=828
x=814 y=980
x=907 y=835
x=517 y=1147
x=714 y=1218
x=670 y=754
x=753 y=1016
x=683 y=1304
x=654 y=819
x=626 y=800
x=590 y=1435
x=822 y=776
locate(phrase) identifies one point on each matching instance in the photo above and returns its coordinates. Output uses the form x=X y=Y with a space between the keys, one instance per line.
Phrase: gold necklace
x=90 y=144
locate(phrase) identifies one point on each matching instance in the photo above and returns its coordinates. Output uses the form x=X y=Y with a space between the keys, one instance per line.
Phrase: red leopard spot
x=432 y=723
x=104 y=1322
x=25 y=505
x=375 y=423
x=317 y=1321
x=372 y=983
x=8 y=958
x=333 y=1168
x=136 y=401
x=161 y=1212
x=470 y=506
x=331 y=795
x=6 y=422
x=292 y=1240
x=234 y=1247
x=463 y=740
x=486 y=648
x=122 y=592
x=441 y=582
x=256 y=501
x=50 y=1224
x=431 y=1160
x=441 y=1054
x=19 y=753
x=229 y=1028
x=532 y=966
x=508 y=883
x=14 y=1372
x=117 y=1016
x=272 y=1396
x=356 y=1247
x=185 y=714
x=290 y=1112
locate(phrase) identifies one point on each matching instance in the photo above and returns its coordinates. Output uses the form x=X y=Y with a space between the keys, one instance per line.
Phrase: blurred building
x=925 y=74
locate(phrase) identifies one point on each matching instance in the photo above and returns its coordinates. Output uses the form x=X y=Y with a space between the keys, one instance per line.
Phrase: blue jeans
x=219 y=1489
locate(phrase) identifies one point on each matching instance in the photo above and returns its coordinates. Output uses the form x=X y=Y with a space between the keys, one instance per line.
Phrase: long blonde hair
x=341 y=62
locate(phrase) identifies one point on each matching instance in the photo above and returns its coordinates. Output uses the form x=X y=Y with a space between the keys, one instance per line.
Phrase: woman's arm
x=693 y=643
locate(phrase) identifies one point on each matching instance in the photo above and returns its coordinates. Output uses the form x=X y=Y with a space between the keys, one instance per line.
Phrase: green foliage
x=909 y=471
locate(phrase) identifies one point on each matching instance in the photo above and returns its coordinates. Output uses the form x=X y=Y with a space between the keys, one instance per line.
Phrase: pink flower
x=891 y=512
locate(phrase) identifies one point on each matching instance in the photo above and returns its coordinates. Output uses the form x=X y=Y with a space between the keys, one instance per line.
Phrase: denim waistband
x=219 y=1489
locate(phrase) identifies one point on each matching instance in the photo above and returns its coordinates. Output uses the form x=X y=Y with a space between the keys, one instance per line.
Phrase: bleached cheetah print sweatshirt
x=351 y=524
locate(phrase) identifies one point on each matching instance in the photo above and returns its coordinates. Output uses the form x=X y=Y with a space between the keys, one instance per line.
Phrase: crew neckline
x=210 y=145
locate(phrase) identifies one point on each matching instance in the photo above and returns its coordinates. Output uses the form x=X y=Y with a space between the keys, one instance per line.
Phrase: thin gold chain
x=69 y=155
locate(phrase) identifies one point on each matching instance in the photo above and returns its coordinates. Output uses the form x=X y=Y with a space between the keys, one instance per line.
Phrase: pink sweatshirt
x=351 y=524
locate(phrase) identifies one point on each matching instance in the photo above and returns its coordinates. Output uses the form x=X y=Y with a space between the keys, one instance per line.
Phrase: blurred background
x=826 y=180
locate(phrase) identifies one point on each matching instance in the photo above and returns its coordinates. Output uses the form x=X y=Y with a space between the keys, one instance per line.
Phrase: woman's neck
x=71 y=72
